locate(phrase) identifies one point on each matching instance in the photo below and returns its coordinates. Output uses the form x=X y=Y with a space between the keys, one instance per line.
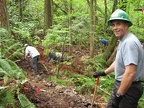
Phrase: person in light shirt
x=32 y=52
x=128 y=66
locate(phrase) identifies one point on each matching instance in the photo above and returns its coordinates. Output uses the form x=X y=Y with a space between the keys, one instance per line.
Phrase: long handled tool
x=95 y=91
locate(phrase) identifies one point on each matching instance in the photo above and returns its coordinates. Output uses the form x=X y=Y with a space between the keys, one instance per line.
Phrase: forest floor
x=47 y=94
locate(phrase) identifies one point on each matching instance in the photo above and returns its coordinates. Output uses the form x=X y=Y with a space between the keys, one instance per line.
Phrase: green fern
x=25 y=102
x=7 y=97
x=2 y=72
x=5 y=65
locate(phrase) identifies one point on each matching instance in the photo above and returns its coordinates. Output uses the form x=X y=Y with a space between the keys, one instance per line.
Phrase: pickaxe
x=95 y=91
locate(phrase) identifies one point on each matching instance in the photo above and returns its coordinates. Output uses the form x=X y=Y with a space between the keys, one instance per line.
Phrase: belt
x=136 y=81
x=132 y=82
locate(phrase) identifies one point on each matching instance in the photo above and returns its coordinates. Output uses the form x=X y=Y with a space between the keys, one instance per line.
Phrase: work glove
x=116 y=101
x=97 y=74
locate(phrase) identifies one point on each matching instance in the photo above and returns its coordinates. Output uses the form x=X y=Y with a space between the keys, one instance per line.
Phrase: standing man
x=128 y=65
x=34 y=54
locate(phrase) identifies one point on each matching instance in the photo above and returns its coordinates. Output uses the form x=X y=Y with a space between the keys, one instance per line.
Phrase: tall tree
x=70 y=23
x=105 y=22
x=92 y=27
x=20 y=9
x=114 y=5
x=47 y=15
x=113 y=42
x=4 y=22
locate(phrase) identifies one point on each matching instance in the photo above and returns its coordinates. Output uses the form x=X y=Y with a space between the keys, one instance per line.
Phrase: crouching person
x=56 y=56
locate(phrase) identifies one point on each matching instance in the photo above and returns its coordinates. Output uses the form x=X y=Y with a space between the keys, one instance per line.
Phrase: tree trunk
x=47 y=15
x=110 y=48
x=91 y=28
x=70 y=23
x=20 y=9
x=114 y=6
x=105 y=23
x=95 y=14
x=4 y=22
x=113 y=42
x=112 y=57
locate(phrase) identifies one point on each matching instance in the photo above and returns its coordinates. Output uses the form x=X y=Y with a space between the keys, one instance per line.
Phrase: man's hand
x=116 y=100
x=97 y=74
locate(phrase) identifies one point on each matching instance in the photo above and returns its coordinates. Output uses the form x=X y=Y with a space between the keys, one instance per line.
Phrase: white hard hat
x=25 y=45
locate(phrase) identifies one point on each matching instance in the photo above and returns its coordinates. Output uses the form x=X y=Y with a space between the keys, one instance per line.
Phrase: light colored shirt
x=129 y=51
x=58 y=54
x=32 y=51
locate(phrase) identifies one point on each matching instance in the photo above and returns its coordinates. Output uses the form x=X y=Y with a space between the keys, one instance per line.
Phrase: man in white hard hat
x=34 y=54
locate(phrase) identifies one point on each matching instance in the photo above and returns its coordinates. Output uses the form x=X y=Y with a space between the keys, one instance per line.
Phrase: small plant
x=94 y=64
x=10 y=48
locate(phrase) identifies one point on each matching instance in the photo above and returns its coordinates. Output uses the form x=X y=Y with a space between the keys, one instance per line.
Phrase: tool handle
x=95 y=90
x=97 y=80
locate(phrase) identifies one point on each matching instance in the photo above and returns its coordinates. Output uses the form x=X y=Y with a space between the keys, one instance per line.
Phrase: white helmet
x=25 y=45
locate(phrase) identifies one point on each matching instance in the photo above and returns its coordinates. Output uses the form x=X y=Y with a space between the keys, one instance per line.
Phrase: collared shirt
x=129 y=51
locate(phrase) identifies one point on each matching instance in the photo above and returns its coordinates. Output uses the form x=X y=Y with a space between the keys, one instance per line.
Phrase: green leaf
x=25 y=102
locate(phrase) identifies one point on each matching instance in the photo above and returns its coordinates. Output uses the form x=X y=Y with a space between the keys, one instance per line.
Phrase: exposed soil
x=46 y=94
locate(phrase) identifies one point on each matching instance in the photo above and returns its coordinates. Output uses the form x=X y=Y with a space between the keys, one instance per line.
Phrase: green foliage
x=9 y=46
x=10 y=72
x=58 y=81
x=55 y=37
x=25 y=103
x=94 y=64
x=141 y=102
x=27 y=32
x=10 y=69
x=7 y=97
x=84 y=85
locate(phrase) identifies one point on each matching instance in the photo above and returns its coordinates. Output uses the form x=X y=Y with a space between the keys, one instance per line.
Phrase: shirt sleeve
x=130 y=53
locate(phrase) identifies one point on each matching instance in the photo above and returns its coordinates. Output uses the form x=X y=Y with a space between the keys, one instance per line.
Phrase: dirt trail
x=46 y=94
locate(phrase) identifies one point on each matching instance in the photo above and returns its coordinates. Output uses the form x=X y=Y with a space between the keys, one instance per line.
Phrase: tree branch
x=60 y=8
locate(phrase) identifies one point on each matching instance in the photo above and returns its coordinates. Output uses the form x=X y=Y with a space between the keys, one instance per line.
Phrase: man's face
x=120 y=28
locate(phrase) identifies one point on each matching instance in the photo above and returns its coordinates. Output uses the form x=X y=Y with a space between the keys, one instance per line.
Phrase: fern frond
x=5 y=65
x=17 y=73
x=25 y=102
x=2 y=72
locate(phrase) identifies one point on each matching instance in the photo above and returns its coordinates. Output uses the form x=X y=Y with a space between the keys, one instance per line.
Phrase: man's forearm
x=127 y=79
x=110 y=69
x=26 y=55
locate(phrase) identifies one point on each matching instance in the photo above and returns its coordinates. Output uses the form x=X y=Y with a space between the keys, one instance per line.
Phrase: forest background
x=58 y=24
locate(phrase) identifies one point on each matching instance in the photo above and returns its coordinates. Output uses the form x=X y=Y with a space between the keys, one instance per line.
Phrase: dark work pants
x=131 y=97
x=35 y=61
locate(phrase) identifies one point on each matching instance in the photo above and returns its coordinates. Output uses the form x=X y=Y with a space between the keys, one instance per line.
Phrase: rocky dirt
x=46 y=94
